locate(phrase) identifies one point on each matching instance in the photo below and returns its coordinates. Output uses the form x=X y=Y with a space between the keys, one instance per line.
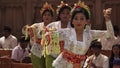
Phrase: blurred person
x=115 y=54
x=63 y=17
x=36 y=31
x=97 y=59
x=116 y=63
x=8 y=41
x=20 y=52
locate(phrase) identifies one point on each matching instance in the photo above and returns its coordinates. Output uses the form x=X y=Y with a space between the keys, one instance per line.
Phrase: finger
x=104 y=11
x=110 y=9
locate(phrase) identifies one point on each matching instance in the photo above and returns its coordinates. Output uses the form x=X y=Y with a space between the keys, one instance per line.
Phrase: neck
x=96 y=54
x=116 y=56
x=64 y=24
x=6 y=37
x=79 y=35
x=46 y=22
x=79 y=32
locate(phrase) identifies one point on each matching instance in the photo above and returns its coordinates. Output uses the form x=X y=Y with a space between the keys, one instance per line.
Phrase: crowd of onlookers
x=19 y=47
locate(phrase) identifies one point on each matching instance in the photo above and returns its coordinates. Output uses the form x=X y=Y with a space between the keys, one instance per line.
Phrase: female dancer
x=63 y=20
x=77 y=39
x=38 y=60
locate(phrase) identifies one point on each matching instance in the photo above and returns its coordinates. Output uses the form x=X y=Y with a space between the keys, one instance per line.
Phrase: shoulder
x=104 y=57
x=54 y=23
x=13 y=37
x=66 y=30
x=90 y=57
x=16 y=48
x=39 y=23
x=1 y=38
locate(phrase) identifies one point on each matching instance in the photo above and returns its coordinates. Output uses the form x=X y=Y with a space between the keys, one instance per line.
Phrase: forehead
x=79 y=15
x=65 y=10
x=47 y=12
x=115 y=47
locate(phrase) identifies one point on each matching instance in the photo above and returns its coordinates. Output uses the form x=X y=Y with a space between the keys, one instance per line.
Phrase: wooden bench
x=5 y=62
x=5 y=52
x=22 y=65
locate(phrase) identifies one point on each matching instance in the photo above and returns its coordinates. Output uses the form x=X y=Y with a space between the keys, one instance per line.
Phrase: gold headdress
x=46 y=6
x=81 y=5
x=61 y=5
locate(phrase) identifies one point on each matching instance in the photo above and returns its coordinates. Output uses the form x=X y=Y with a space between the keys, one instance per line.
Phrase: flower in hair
x=81 y=5
x=61 y=5
x=46 y=6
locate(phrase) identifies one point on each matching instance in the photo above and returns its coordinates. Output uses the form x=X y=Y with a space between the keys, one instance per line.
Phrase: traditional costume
x=40 y=47
x=73 y=50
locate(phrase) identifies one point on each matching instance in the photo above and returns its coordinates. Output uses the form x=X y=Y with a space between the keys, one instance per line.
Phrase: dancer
x=77 y=39
x=35 y=32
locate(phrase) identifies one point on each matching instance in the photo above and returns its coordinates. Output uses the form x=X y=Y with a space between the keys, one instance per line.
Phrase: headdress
x=61 y=5
x=81 y=5
x=46 y=6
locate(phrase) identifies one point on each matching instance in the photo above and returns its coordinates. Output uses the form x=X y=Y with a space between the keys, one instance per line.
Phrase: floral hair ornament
x=81 y=4
x=61 y=5
x=46 y=6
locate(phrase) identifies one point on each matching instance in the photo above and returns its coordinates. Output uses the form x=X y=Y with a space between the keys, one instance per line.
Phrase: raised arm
x=109 y=33
x=109 y=26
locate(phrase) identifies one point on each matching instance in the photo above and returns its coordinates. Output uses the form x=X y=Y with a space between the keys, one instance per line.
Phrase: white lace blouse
x=79 y=47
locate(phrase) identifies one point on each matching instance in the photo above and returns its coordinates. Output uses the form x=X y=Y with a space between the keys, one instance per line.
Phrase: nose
x=78 y=21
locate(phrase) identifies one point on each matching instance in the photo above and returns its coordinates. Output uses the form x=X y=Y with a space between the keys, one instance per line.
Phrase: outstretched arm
x=109 y=26
x=109 y=33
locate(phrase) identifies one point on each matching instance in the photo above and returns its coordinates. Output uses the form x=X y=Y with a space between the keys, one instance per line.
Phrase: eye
x=76 y=18
x=81 y=18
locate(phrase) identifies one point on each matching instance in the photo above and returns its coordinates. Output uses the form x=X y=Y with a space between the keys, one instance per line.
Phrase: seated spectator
x=114 y=55
x=116 y=63
x=97 y=60
x=20 y=53
x=7 y=41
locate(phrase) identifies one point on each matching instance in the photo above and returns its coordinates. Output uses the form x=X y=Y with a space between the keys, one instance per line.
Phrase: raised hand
x=107 y=13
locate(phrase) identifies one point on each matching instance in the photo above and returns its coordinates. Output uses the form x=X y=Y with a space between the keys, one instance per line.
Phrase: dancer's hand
x=107 y=13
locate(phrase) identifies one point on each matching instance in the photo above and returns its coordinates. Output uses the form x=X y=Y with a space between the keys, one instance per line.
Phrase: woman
x=63 y=20
x=35 y=32
x=77 y=39
x=115 y=54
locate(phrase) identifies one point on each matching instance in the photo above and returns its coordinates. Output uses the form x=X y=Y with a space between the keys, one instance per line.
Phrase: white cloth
x=78 y=47
x=117 y=40
x=37 y=48
x=57 y=25
x=8 y=43
x=107 y=43
x=100 y=61
x=18 y=53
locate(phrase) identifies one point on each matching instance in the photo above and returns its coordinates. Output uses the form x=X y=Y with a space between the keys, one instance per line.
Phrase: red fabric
x=73 y=58
x=61 y=45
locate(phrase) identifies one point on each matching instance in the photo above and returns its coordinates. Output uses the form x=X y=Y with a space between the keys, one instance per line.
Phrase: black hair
x=23 y=39
x=7 y=28
x=47 y=10
x=61 y=10
x=79 y=10
x=96 y=44
x=116 y=30
x=115 y=45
